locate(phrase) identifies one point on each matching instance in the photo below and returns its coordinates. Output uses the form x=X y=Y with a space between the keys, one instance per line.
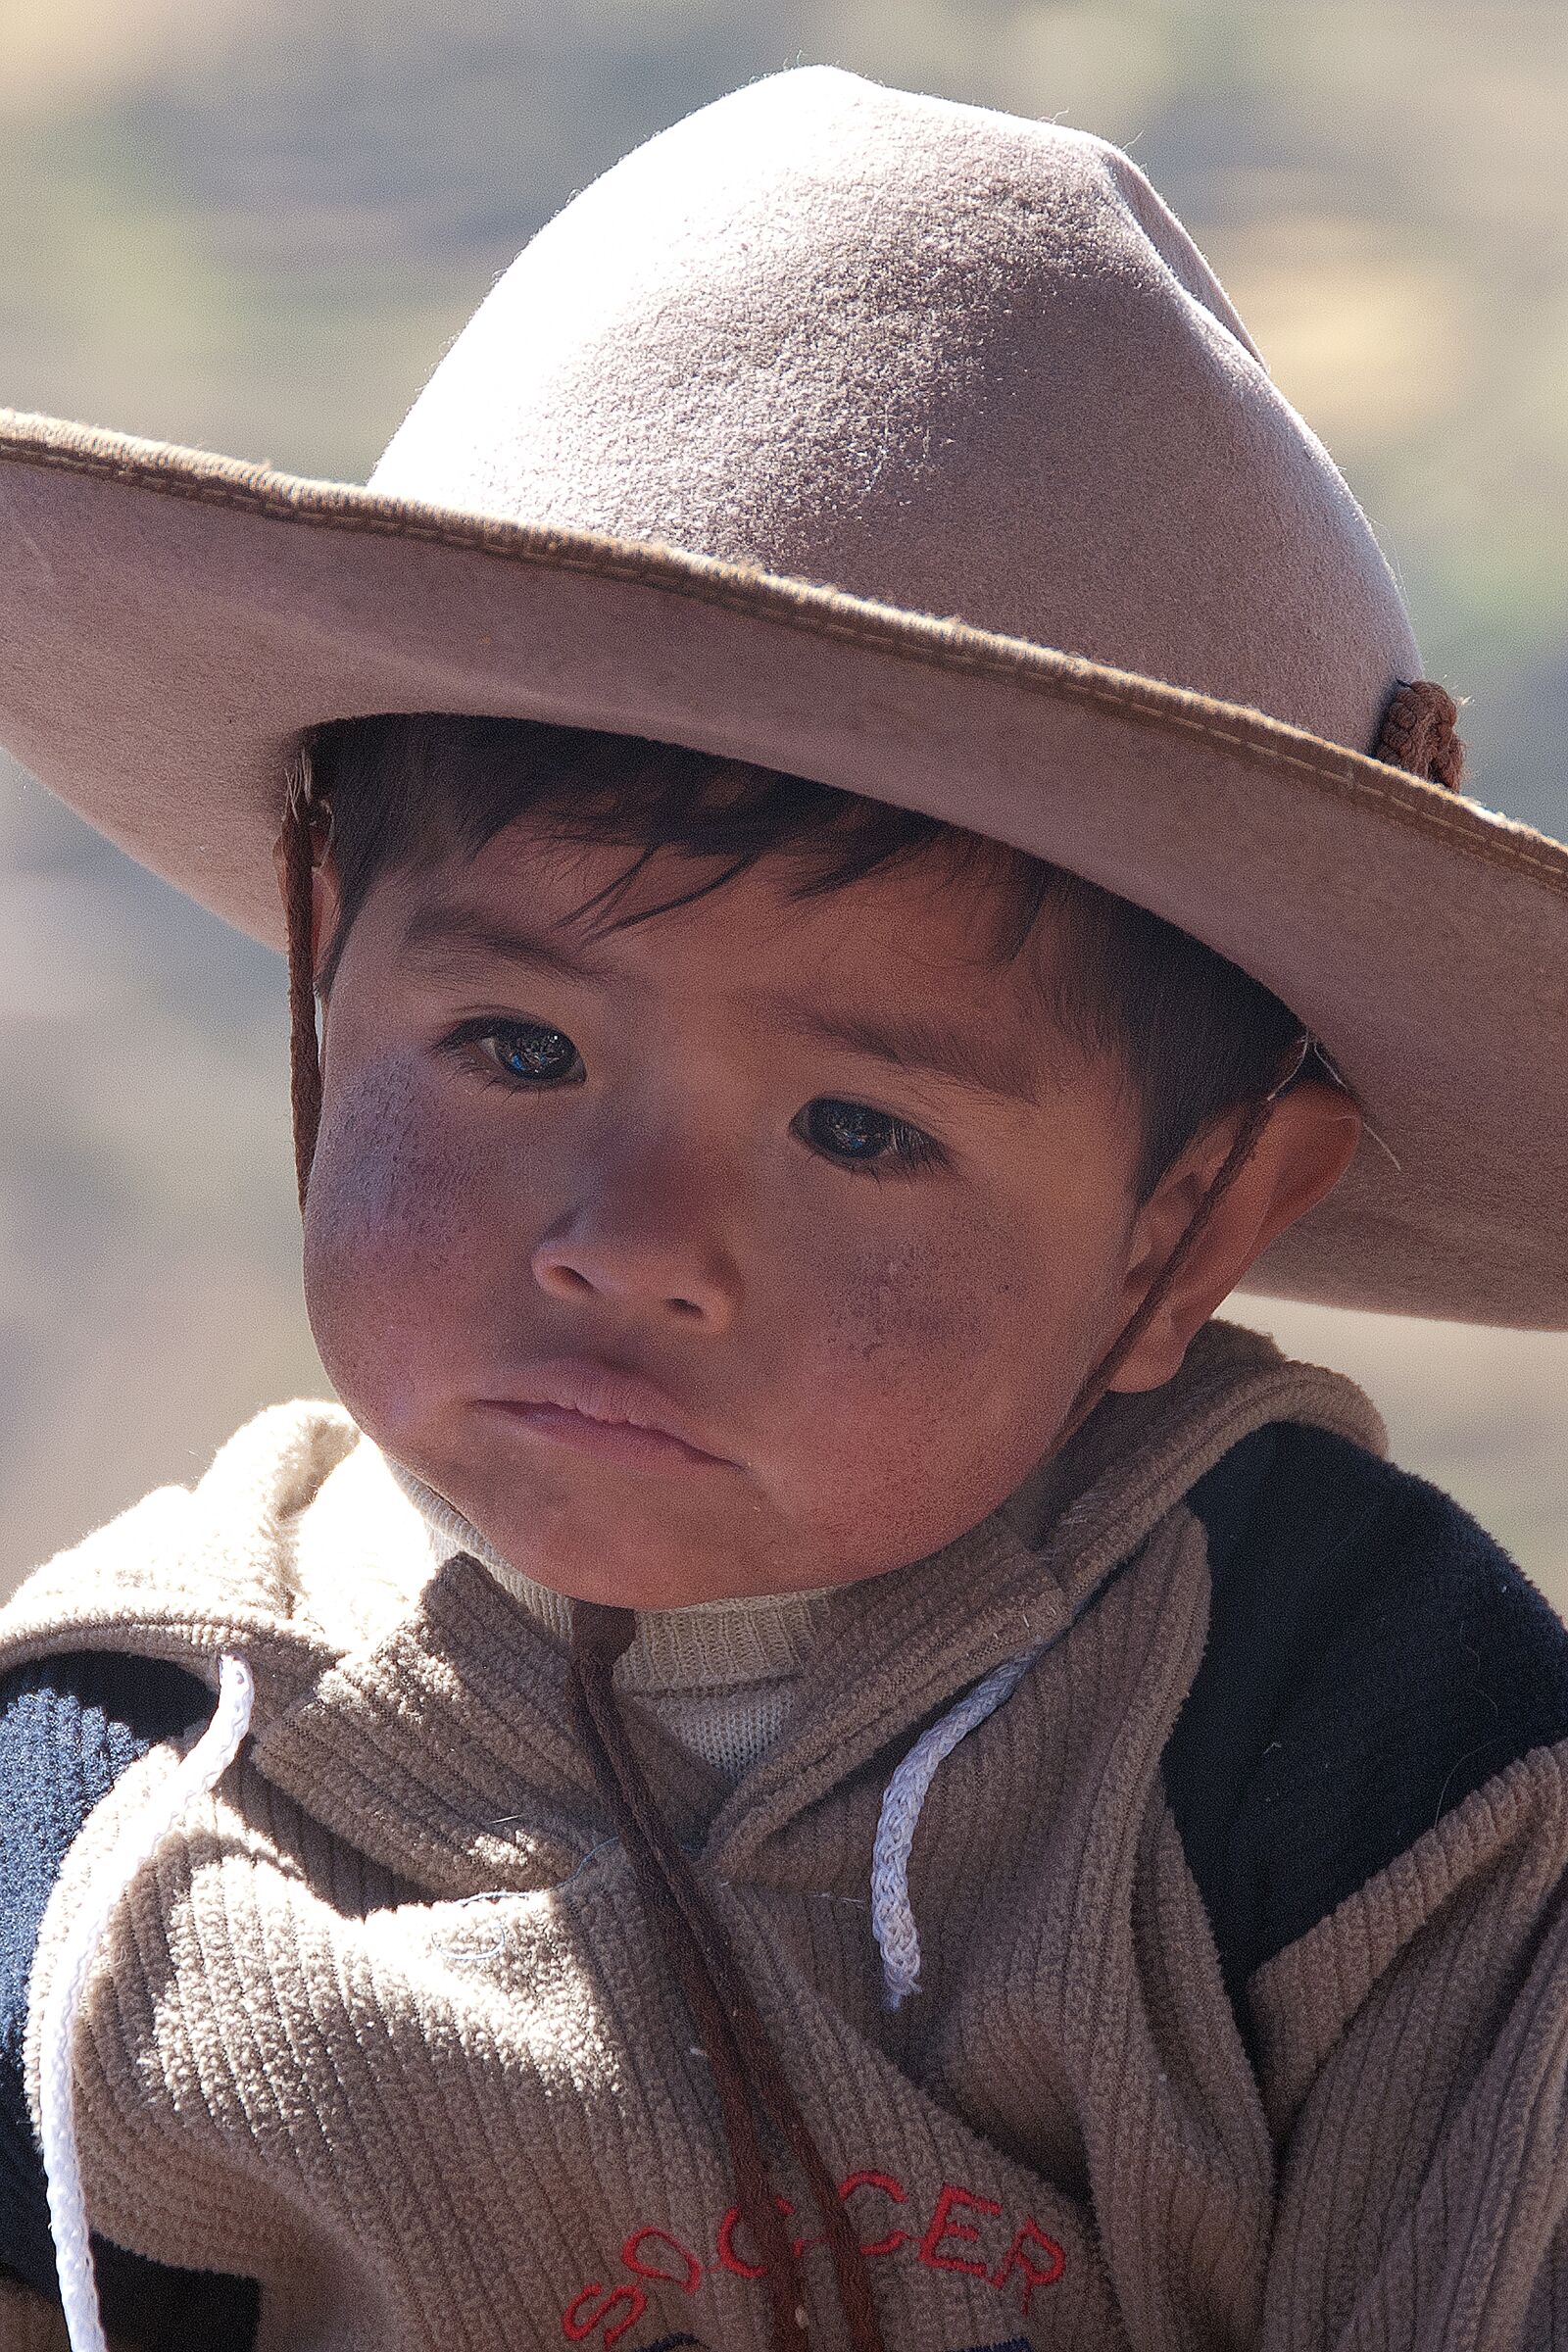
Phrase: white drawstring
x=891 y=1919
x=197 y=1774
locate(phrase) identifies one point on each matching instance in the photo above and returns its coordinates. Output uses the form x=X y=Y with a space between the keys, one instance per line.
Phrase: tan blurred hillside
x=254 y=229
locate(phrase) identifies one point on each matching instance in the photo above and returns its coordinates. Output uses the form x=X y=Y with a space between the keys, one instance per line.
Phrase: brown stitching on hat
x=1550 y=871
x=802 y=605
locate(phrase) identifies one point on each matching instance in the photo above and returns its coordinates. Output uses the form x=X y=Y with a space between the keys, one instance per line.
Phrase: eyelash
x=466 y=1042
x=911 y=1148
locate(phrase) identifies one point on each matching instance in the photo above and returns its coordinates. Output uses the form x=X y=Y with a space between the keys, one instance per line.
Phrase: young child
x=815 y=1753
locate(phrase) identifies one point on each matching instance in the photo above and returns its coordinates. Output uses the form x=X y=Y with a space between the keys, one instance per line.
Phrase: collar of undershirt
x=710 y=1644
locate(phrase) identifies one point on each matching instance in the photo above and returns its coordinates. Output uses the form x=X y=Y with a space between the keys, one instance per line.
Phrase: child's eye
x=857 y=1136
x=521 y=1054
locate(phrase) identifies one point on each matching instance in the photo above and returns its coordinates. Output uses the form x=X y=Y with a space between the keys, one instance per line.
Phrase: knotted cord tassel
x=747 y=2070
x=1418 y=734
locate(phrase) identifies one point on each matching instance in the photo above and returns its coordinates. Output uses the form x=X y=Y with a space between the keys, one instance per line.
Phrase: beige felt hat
x=913 y=448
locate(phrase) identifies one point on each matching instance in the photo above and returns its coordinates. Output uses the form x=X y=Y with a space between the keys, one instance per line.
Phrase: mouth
x=598 y=1409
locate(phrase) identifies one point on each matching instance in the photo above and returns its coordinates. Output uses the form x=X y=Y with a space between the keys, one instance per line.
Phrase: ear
x=324 y=898
x=1307 y=1144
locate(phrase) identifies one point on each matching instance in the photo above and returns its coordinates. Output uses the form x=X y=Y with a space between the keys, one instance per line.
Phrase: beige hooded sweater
x=379 y=2024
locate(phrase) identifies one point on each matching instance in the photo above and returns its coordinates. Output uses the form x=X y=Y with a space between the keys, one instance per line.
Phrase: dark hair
x=1196 y=1035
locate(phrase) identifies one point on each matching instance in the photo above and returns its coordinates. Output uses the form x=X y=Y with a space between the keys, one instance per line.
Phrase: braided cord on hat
x=304 y=835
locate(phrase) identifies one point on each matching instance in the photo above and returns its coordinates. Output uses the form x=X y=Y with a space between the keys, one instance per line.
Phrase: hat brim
x=170 y=620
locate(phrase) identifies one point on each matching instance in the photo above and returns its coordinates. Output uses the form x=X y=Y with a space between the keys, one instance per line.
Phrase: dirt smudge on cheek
x=388 y=1174
x=916 y=1302
x=925 y=1376
x=392 y=1243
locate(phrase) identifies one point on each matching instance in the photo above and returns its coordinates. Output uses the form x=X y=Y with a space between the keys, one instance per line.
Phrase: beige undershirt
x=720 y=1674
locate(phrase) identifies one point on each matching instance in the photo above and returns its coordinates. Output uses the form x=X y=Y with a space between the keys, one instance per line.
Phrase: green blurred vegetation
x=256 y=230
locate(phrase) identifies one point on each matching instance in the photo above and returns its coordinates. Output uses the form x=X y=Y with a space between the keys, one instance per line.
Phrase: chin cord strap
x=307 y=831
x=892 y=1915
x=750 y=2079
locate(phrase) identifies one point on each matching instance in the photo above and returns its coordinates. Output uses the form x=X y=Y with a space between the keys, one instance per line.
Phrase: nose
x=642 y=1256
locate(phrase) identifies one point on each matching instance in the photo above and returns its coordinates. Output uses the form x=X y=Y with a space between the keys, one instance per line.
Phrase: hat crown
x=947 y=359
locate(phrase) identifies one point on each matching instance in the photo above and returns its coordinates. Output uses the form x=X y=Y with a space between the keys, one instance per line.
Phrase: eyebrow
x=449 y=941
x=991 y=1063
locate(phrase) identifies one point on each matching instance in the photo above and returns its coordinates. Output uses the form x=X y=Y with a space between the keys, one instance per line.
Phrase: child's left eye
x=857 y=1136
x=521 y=1054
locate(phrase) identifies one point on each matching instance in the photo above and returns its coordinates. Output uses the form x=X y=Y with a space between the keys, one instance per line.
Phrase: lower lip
x=612 y=1441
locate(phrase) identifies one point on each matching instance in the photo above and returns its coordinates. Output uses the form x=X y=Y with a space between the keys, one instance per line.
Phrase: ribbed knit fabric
x=382 y=2025
x=63 y=1741
x=719 y=1675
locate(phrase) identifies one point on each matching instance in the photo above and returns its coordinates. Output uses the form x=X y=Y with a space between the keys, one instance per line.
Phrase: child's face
x=634 y=1156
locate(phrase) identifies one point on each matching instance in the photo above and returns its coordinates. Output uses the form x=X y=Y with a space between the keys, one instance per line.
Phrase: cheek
x=395 y=1221
x=915 y=1354
x=931 y=1378
x=891 y=1310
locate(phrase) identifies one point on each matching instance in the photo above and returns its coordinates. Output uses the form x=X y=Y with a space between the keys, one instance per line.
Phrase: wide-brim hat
x=913 y=448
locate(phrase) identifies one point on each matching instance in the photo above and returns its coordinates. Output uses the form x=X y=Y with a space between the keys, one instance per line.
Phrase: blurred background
x=254 y=229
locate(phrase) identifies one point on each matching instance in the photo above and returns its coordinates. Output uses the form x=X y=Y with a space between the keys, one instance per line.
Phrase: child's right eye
x=525 y=1055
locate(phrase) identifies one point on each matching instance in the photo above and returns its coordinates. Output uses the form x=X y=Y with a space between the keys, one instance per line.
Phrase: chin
x=583 y=1573
x=617 y=1549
